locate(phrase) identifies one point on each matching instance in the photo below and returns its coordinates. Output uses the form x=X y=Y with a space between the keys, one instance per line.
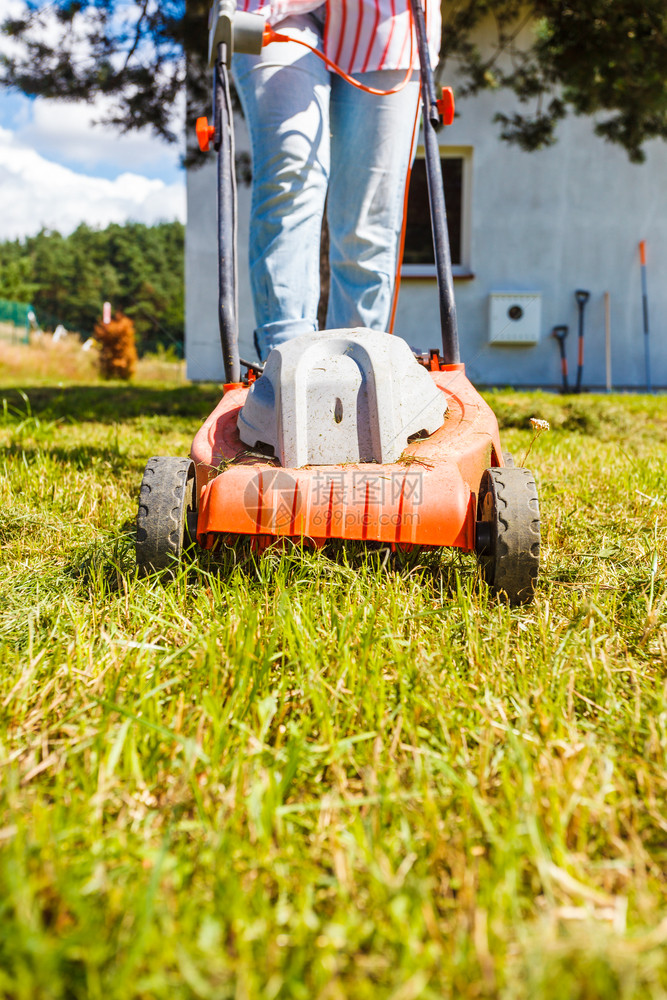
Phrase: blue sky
x=58 y=168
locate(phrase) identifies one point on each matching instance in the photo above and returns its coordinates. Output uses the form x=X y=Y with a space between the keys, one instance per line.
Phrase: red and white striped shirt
x=361 y=35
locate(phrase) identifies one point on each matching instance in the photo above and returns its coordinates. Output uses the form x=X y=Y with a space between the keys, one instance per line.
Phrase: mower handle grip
x=236 y=30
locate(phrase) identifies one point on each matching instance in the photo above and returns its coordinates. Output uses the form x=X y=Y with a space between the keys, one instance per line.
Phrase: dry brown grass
x=11 y=333
x=45 y=361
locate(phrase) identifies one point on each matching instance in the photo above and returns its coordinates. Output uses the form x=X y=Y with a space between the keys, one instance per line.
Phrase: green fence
x=15 y=319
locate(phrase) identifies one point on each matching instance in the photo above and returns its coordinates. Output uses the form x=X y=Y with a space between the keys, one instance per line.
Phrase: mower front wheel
x=167 y=514
x=508 y=532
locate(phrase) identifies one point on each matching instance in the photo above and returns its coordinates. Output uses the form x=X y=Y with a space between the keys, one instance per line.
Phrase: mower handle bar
x=229 y=31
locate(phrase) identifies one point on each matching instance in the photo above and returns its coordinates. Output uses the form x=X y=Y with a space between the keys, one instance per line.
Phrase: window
x=418 y=260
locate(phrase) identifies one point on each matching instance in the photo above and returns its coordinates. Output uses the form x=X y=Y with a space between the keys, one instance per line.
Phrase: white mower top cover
x=341 y=396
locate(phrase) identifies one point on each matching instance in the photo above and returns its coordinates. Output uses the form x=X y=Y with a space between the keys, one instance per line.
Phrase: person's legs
x=370 y=154
x=285 y=97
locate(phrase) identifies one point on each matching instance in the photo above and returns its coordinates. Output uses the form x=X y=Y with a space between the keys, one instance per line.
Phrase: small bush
x=118 y=354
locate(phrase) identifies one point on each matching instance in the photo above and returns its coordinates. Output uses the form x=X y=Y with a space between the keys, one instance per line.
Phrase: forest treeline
x=137 y=268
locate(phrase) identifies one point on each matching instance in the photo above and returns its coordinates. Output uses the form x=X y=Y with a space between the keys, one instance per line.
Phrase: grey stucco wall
x=202 y=343
x=564 y=218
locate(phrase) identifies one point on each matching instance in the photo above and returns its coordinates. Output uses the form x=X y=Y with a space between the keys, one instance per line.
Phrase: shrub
x=118 y=354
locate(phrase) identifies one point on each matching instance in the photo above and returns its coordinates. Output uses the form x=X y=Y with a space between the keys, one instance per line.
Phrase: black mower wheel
x=166 y=518
x=508 y=533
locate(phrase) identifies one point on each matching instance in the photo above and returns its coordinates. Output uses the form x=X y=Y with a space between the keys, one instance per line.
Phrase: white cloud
x=36 y=193
x=68 y=131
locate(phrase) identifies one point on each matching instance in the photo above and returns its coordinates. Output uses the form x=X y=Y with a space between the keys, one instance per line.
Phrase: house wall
x=202 y=340
x=564 y=218
x=567 y=217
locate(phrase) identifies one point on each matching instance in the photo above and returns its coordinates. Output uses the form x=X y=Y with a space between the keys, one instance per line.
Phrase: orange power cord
x=270 y=35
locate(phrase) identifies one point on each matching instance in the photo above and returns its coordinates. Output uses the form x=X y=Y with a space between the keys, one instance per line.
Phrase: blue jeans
x=313 y=135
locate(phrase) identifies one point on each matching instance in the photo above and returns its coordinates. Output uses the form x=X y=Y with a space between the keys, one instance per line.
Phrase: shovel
x=582 y=298
x=560 y=333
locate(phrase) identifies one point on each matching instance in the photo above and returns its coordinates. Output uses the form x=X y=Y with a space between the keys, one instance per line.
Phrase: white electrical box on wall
x=515 y=317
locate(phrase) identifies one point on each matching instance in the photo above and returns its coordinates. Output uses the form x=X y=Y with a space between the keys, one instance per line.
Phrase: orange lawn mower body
x=428 y=497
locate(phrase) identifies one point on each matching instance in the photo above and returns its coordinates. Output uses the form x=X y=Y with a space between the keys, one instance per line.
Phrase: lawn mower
x=342 y=434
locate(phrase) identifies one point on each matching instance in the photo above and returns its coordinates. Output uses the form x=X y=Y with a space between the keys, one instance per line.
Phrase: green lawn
x=326 y=776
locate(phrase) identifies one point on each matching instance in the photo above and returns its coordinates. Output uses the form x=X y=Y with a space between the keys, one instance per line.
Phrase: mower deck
x=427 y=498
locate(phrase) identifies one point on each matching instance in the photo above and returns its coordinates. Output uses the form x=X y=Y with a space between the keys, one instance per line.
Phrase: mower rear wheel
x=166 y=519
x=508 y=532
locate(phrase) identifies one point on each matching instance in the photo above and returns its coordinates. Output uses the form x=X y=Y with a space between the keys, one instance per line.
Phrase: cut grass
x=328 y=775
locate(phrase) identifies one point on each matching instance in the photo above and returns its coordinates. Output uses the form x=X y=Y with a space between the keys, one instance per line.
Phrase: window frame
x=464 y=269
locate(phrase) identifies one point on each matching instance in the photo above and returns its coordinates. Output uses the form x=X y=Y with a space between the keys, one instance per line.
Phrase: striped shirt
x=361 y=35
